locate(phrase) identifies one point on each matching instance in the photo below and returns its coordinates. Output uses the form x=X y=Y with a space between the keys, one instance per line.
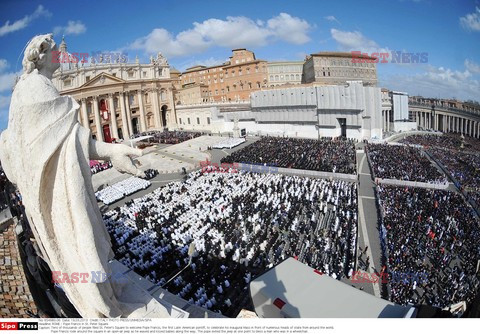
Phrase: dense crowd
x=325 y=154
x=168 y=137
x=150 y=173
x=435 y=235
x=447 y=141
x=462 y=164
x=241 y=224
x=463 y=167
x=400 y=162
x=97 y=166
x=119 y=190
x=229 y=143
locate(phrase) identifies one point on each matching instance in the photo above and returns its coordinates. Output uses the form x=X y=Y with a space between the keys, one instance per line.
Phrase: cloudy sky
x=204 y=32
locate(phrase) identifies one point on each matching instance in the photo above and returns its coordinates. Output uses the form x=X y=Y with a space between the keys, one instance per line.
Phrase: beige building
x=336 y=68
x=231 y=81
x=284 y=73
x=120 y=99
x=193 y=94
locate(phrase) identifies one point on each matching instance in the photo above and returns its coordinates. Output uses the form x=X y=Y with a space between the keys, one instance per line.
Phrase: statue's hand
x=121 y=159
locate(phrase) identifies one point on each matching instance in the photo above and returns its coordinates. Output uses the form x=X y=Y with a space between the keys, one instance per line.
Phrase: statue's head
x=39 y=54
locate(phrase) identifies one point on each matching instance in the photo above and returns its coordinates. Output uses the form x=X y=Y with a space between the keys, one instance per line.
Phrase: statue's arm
x=120 y=155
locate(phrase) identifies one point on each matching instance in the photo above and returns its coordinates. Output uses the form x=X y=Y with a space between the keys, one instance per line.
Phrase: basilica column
x=98 y=124
x=113 y=116
x=156 y=109
x=388 y=120
x=129 y=114
x=143 y=124
x=85 y=121
x=125 y=132
x=171 y=112
x=384 y=118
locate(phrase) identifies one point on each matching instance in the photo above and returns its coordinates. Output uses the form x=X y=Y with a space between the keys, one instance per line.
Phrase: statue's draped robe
x=45 y=153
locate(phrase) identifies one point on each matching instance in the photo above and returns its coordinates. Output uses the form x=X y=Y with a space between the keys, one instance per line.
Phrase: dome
x=65 y=58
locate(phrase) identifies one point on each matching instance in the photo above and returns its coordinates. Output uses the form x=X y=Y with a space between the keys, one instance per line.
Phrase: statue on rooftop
x=45 y=152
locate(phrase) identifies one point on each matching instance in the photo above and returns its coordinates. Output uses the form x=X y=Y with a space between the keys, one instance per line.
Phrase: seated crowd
x=241 y=224
x=463 y=167
x=462 y=164
x=433 y=234
x=325 y=154
x=447 y=140
x=97 y=166
x=168 y=137
x=229 y=143
x=402 y=163
x=119 y=190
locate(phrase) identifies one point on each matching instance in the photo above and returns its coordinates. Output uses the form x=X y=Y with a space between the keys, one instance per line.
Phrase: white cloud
x=4 y=101
x=355 y=41
x=472 y=66
x=233 y=32
x=7 y=80
x=72 y=28
x=331 y=18
x=23 y=23
x=436 y=82
x=290 y=29
x=471 y=21
x=3 y=64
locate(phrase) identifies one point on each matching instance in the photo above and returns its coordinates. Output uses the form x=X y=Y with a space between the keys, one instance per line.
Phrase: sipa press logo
x=22 y=326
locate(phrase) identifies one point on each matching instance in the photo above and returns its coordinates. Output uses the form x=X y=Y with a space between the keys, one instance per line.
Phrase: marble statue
x=45 y=152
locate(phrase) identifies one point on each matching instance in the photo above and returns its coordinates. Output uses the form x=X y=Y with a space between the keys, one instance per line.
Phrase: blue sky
x=204 y=32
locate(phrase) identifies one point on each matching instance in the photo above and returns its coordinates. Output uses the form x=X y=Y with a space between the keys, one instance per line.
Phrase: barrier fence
x=403 y=183
x=259 y=168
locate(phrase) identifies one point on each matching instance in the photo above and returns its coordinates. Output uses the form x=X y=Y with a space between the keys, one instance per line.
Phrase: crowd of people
x=168 y=137
x=449 y=141
x=463 y=164
x=119 y=190
x=241 y=224
x=229 y=143
x=325 y=154
x=97 y=166
x=150 y=173
x=401 y=162
x=434 y=234
x=463 y=167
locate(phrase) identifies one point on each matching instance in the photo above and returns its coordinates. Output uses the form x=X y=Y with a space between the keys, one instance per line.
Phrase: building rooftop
x=339 y=54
